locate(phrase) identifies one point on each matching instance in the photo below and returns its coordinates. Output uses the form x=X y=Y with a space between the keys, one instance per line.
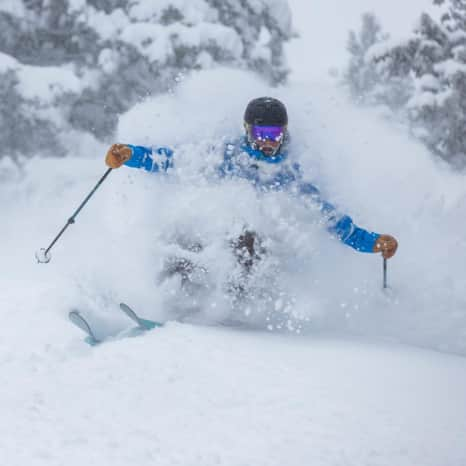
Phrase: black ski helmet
x=266 y=111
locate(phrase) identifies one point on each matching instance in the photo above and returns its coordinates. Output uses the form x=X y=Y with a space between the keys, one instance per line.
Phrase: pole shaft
x=96 y=187
x=57 y=238
x=385 y=285
x=71 y=220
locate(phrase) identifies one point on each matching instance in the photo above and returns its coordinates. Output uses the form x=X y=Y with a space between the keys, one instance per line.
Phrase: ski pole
x=385 y=286
x=43 y=256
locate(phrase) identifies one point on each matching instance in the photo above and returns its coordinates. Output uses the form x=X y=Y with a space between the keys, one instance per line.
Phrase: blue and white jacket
x=265 y=174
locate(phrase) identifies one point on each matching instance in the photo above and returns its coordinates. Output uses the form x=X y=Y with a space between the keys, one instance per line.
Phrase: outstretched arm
x=343 y=227
x=151 y=160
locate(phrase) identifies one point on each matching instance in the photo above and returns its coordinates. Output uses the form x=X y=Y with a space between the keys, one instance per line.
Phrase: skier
x=260 y=156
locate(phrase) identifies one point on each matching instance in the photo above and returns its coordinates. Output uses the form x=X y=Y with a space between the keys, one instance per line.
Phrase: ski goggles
x=267 y=133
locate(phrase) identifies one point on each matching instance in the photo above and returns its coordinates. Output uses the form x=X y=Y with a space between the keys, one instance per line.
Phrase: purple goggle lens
x=271 y=133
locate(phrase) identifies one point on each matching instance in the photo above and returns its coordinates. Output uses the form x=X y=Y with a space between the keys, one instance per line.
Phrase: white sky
x=324 y=24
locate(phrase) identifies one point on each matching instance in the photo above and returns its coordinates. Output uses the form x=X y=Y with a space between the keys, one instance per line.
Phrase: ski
x=143 y=324
x=77 y=319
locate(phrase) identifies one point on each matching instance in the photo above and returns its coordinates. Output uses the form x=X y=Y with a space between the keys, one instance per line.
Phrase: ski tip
x=77 y=319
x=129 y=312
x=124 y=307
x=144 y=324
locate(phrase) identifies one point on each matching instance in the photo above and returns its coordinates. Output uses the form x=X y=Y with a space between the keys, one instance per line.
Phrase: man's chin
x=268 y=151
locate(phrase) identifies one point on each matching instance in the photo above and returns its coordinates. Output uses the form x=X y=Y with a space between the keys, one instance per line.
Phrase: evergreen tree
x=370 y=75
x=423 y=78
x=362 y=76
x=437 y=109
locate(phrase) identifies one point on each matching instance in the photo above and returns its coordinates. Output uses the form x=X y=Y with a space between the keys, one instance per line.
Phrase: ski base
x=77 y=319
x=143 y=324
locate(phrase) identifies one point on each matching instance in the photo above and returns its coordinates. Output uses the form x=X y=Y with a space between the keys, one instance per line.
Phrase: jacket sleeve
x=151 y=159
x=342 y=226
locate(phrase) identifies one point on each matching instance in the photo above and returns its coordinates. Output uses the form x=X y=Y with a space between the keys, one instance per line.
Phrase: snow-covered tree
x=438 y=108
x=362 y=76
x=429 y=72
x=370 y=75
x=69 y=65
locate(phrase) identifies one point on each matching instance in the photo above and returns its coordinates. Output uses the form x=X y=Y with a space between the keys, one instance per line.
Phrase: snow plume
x=391 y=184
x=306 y=281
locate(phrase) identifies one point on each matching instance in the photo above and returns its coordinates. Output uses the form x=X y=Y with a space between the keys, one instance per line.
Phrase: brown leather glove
x=387 y=245
x=117 y=155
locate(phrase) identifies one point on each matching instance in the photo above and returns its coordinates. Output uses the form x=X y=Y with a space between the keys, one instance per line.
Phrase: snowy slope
x=209 y=396
x=330 y=385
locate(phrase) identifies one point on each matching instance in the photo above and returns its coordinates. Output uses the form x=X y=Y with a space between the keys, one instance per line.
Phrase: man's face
x=267 y=139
